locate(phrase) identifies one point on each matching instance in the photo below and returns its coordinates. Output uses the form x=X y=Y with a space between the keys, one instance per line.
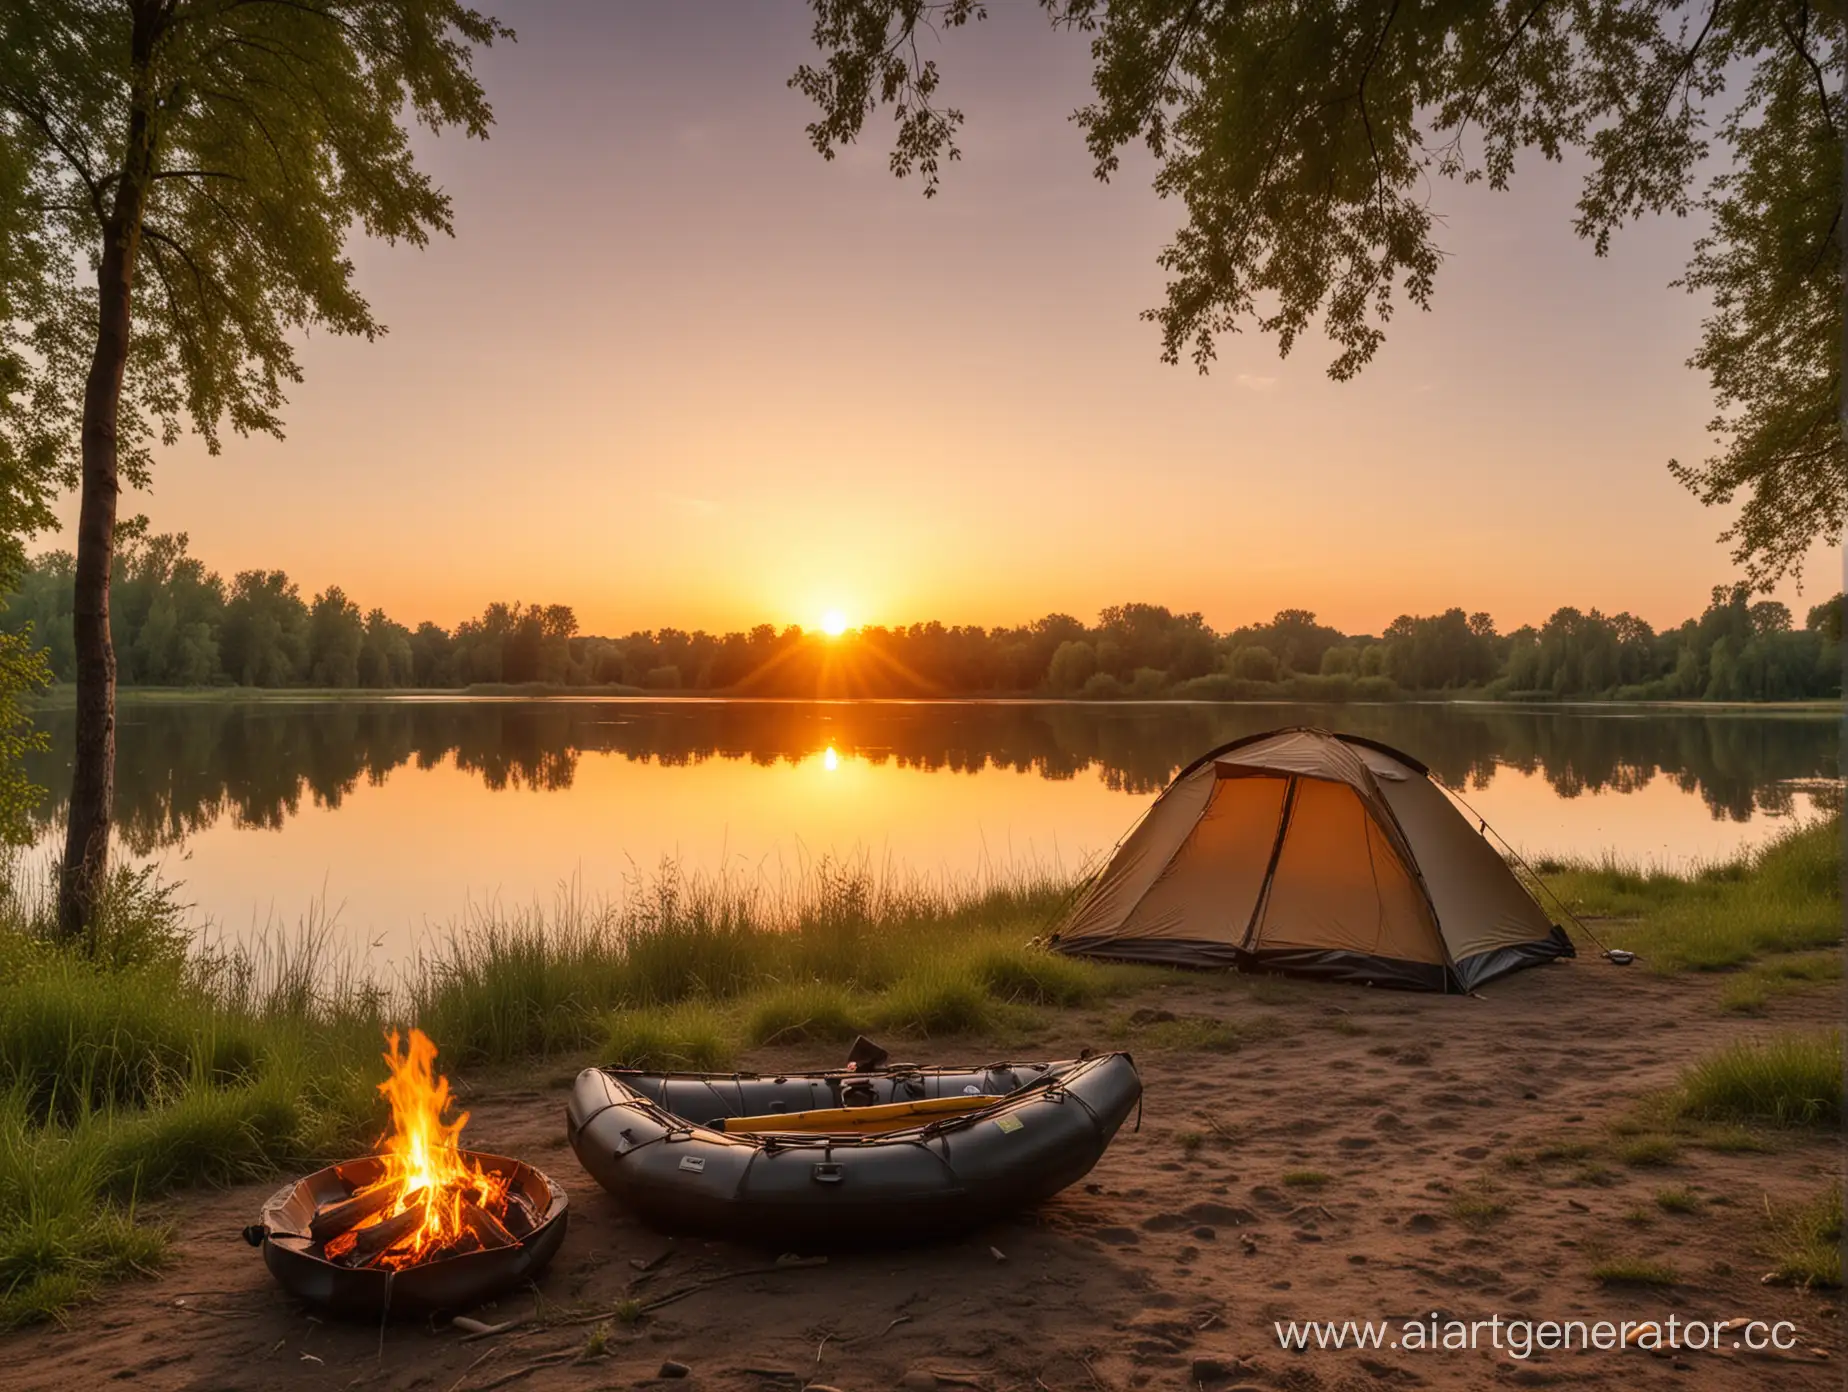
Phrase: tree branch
x=1366 y=121
x=197 y=174
x=43 y=124
x=1799 y=40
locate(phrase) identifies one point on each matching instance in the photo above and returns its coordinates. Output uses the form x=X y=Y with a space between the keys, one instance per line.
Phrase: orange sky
x=677 y=370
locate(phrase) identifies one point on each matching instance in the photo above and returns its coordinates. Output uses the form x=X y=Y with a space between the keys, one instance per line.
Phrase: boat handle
x=826 y=1172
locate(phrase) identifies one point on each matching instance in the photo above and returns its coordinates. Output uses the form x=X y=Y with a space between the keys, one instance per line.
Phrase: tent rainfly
x=1315 y=854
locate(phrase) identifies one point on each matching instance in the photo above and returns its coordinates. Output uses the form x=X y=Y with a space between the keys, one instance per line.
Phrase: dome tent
x=1317 y=854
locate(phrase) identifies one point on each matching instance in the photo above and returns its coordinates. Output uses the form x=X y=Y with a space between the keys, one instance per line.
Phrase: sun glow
x=834 y=623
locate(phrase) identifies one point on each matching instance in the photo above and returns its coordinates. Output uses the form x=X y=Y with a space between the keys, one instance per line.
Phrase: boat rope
x=1508 y=847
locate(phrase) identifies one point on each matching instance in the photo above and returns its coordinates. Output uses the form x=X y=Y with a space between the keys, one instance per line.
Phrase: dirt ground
x=1166 y=1269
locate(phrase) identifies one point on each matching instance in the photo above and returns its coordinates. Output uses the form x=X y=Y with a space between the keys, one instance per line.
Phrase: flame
x=422 y=1157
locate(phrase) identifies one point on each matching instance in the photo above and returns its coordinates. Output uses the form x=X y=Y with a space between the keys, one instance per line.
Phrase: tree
x=386 y=657
x=1826 y=618
x=1302 y=138
x=206 y=159
x=336 y=636
x=265 y=637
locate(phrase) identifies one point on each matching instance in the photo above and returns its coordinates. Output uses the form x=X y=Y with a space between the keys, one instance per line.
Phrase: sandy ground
x=1166 y=1269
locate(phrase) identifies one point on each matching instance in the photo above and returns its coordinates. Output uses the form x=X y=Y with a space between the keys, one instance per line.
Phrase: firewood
x=521 y=1218
x=491 y=1231
x=335 y=1218
x=388 y=1232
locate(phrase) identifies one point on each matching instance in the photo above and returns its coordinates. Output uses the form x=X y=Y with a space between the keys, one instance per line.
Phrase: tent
x=1318 y=854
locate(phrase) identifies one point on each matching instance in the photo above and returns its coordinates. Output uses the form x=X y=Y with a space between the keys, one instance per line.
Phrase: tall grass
x=1784 y=896
x=130 y=1065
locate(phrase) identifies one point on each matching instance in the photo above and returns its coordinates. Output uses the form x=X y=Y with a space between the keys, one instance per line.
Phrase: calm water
x=399 y=813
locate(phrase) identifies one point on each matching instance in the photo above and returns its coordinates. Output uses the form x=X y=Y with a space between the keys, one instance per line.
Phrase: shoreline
x=62 y=697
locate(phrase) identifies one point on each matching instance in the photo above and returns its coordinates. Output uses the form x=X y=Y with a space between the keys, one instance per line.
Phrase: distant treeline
x=178 y=624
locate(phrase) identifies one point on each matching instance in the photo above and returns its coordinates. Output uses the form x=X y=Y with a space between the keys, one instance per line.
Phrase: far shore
x=63 y=697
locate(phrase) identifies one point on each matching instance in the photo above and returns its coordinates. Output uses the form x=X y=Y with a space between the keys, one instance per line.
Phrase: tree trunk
x=86 y=845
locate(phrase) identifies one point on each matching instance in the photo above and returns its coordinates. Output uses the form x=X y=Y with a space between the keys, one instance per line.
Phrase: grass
x=1634 y=1271
x=690 y=1037
x=1750 y=992
x=1677 y=1199
x=1786 y=1081
x=1782 y=897
x=133 y=1064
x=1307 y=1179
x=1649 y=1150
x=1805 y=1240
x=1478 y=1206
x=807 y=1012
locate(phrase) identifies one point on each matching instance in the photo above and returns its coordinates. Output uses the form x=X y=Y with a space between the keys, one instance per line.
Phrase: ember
x=431 y=1200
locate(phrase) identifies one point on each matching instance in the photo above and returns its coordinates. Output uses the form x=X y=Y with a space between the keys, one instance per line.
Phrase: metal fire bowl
x=452 y=1283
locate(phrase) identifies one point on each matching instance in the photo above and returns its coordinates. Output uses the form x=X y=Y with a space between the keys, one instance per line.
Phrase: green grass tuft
x=934 y=1001
x=692 y=1036
x=1649 y=1150
x=1677 y=1199
x=1789 y=1080
x=1634 y=1271
x=1805 y=1240
x=814 y=1011
x=1307 y=1179
x=1478 y=1206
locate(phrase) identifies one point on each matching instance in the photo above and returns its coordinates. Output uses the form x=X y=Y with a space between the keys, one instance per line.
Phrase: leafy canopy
x=1302 y=139
x=258 y=133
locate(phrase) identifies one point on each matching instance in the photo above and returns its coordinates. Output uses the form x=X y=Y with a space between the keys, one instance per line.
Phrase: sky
x=676 y=369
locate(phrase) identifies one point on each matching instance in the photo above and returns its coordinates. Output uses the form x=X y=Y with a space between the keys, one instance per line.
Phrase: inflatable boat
x=808 y=1160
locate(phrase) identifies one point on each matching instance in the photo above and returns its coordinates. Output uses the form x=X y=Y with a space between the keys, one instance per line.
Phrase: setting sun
x=834 y=623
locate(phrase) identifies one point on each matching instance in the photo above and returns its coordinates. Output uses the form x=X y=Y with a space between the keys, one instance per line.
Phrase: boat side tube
x=803 y=1192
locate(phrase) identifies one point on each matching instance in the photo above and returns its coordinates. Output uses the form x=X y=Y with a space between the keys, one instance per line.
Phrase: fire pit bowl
x=444 y=1283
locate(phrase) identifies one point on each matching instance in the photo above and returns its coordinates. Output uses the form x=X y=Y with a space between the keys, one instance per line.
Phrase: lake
x=397 y=814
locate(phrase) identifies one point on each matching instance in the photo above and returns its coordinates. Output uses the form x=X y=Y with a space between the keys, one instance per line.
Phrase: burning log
x=330 y=1220
x=373 y=1242
x=484 y=1226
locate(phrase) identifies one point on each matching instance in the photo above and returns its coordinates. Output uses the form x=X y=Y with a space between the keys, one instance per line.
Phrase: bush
x=1305 y=687
x=1147 y=682
x=1073 y=664
x=1254 y=663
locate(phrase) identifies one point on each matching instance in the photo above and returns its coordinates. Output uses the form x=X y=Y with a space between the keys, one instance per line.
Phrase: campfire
x=422 y=1223
x=432 y=1201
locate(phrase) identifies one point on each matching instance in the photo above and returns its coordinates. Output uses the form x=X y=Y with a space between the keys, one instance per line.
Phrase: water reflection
x=187 y=767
